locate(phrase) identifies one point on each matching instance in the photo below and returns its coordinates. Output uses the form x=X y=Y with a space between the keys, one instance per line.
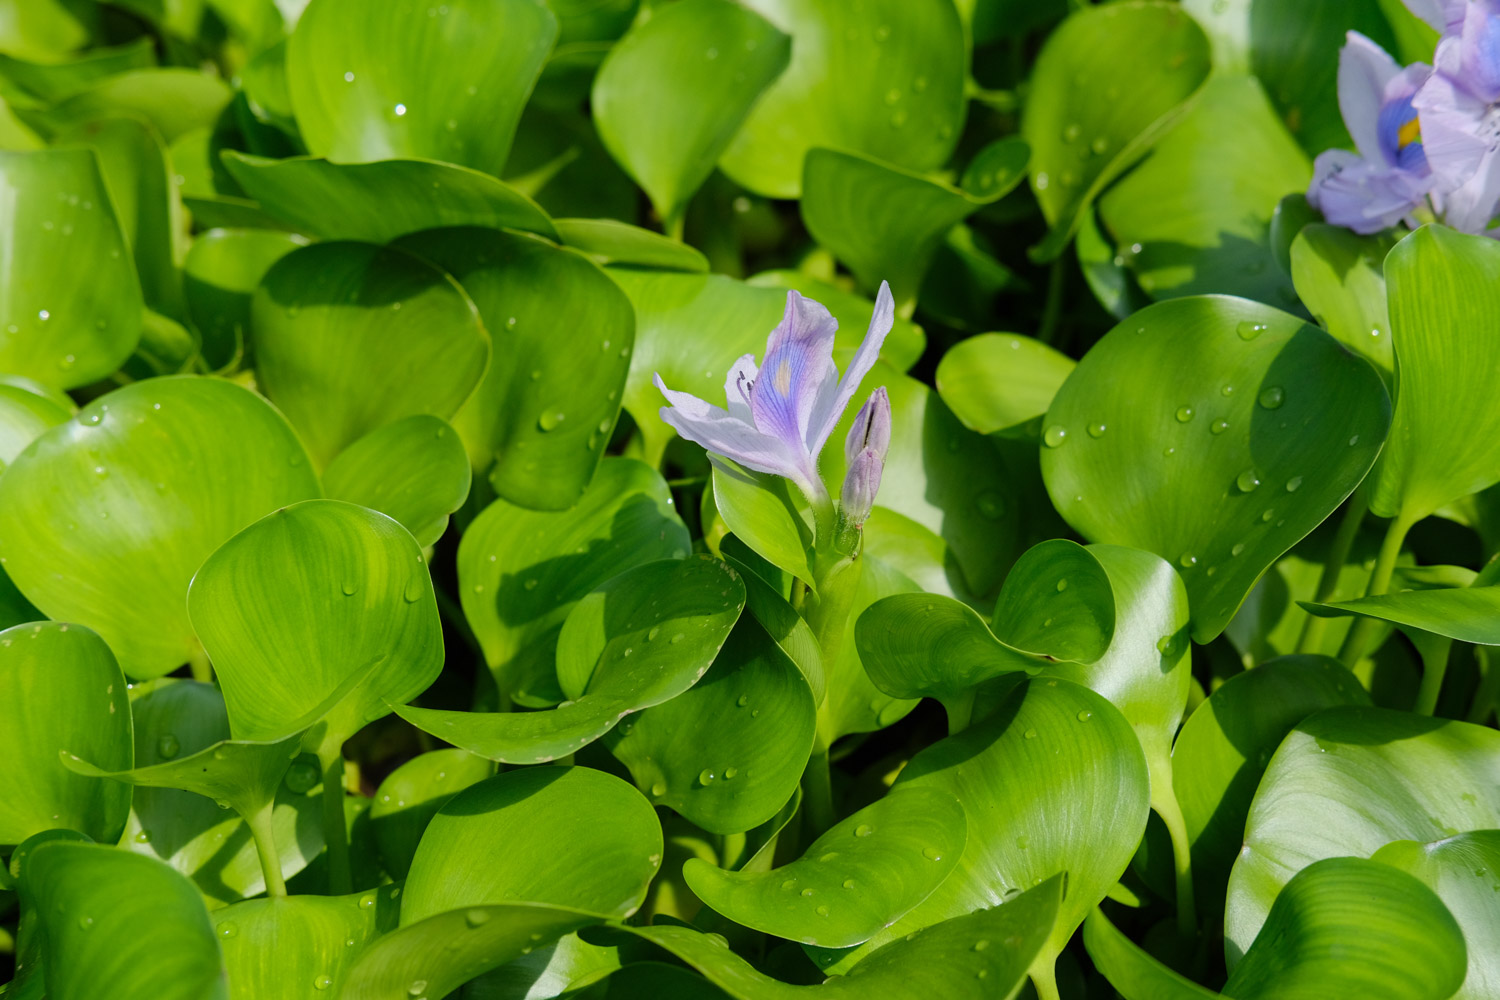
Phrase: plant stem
x=1314 y=628
x=1434 y=669
x=1170 y=811
x=1043 y=974
x=335 y=833
x=817 y=793
x=1489 y=685
x=1052 y=310
x=1380 y=581
x=263 y=832
x=198 y=663
x=799 y=595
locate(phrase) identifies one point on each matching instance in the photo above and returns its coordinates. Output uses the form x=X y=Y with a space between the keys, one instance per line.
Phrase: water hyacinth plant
x=1085 y=585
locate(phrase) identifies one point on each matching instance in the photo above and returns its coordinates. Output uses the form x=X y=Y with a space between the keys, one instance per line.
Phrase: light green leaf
x=1468 y=614
x=673 y=92
x=412 y=794
x=105 y=519
x=1134 y=973
x=52 y=80
x=27 y=409
x=173 y=100
x=1001 y=382
x=1340 y=279
x=608 y=241
x=761 y=511
x=219 y=276
x=395 y=82
x=349 y=337
x=296 y=947
x=413 y=470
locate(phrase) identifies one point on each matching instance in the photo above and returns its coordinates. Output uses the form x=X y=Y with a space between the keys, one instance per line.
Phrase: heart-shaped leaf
x=412 y=794
x=398 y=82
x=222 y=269
x=1348 y=781
x=886 y=80
x=1340 y=278
x=1146 y=58
x=306 y=600
x=642 y=638
x=378 y=202
x=563 y=836
x=349 y=337
x=672 y=93
x=62 y=690
x=1227 y=742
x=295 y=947
x=520 y=571
x=413 y=470
x=105 y=519
x=1001 y=382
x=860 y=876
x=1244 y=426
x=1445 y=434
x=563 y=334
x=885 y=222
x=60 y=324
x=727 y=753
x=114 y=917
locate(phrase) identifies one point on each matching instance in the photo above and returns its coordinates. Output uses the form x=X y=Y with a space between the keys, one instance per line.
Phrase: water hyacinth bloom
x=864 y=449
x=1460 y=113
x=1389 y=177
x=781 y=413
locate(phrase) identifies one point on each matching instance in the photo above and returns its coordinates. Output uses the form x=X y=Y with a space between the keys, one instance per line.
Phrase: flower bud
x=872 y=428
x=860 y=486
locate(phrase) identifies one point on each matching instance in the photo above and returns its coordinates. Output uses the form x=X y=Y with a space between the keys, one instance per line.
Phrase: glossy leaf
x=761 y=511
x=1133 y=972
x=113 y=917
x=106 y=518
x=640 y=639
x=1001 y=382
x=173 y=100
x=857 y=878
x=1249 y=430
x=295 y=947
x=727 y=753
x=673 y=92
x=414 y=471
x=397 y=83
x=1147 y=59
x=412 y=794
x=520 y=571
x=1443 y=444
x=1348 y=781
x=340 y=331
x=562 y=334
x=1340 y=277
x=1468 y=614
x=27 y=409
x=306 y=601
x=608 y=241
x=378 y=202
x=219 y=276
x=563 y=836
x=62 y=690
x=885 y=81
x=62 y=325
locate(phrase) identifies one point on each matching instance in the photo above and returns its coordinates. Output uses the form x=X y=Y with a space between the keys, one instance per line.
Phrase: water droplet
x=1184 y=414
x=322 y=982
x=367 y=901
x=807 y=892
x=892 y=96
x=981 y=973
x=1249 y=330
x=477 y=917
x=401 y=110
x=1030 y=734
x=932 y=854
x=653 y=633
x=228 y=929
x=1272 y=397
x=43 y=315
x=1247 y=481
x=550 y=419
x=991 y=505
x=1164 y=645
x=417 y=986
x=898 y=118
x=168 y=747
x=659 y=789
x=705 y=777
x=1071 y=133
x=1293 y=484
x=730 y=772
x=1354 y=441
x=981 y=944
x=1239 y=548
x=301 y=777
x=142 y=837
x=349 y=587
x=1097 y=430
x=1219 y=426
x=822 y=911
x=1187 y=560
x=863 y=830
x=678 y=638
x=530 y=584
x=1062 y=585
x=882 y=33
x=1085 y=715
x=1267 y=514
x=1055 y=436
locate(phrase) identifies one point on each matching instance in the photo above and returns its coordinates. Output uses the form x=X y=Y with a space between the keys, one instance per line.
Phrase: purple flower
x=1389 y=176
x=865 y=447
x=781 y=414
x=1443 y=15
x=1460 y=110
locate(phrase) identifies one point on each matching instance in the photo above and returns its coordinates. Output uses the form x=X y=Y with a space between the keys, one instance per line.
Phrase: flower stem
x=1167 y=808
x=263 y=832
x=1489 y=686
x=1044 y=977
x=335 y=833
x=1314 y=628
x=1434 y=669
x=1380 y=581
x=817 y=794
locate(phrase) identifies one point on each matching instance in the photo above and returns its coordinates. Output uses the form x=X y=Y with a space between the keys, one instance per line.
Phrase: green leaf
x=307 y=600
x=1346 y=782
x=412 y=794
x=1196 y=216
x=50 y=81
x=857 y=878
x=1445 y=435
x=1146 y=59
x=48 y=29
x=727 y=753
x=295 y=947
x=61 y=690
x=349 y=337
x=884 y=222
x=173 y=100
x=105 y=519
x=1001 y=382
x=413 y=470
x=1461 y=871
x=399 y=83
x=673 y=92
x=564 y=836
x=639 y=639
x=520 y=571
x=63 y=325
x=27 y=409
x=1469 y=614
x=113 y=917
x=761 y=511
x=562 y=334
x=1133 y=972
x=441 y=953
x=378 y=202
x=1227 y=742
x=969 y=957
x=1346 y=924
x=607 y=241
x=1245 y=426
x=886 y=80
x=1053 y=780
x=1340 y=279
x=219 y=276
